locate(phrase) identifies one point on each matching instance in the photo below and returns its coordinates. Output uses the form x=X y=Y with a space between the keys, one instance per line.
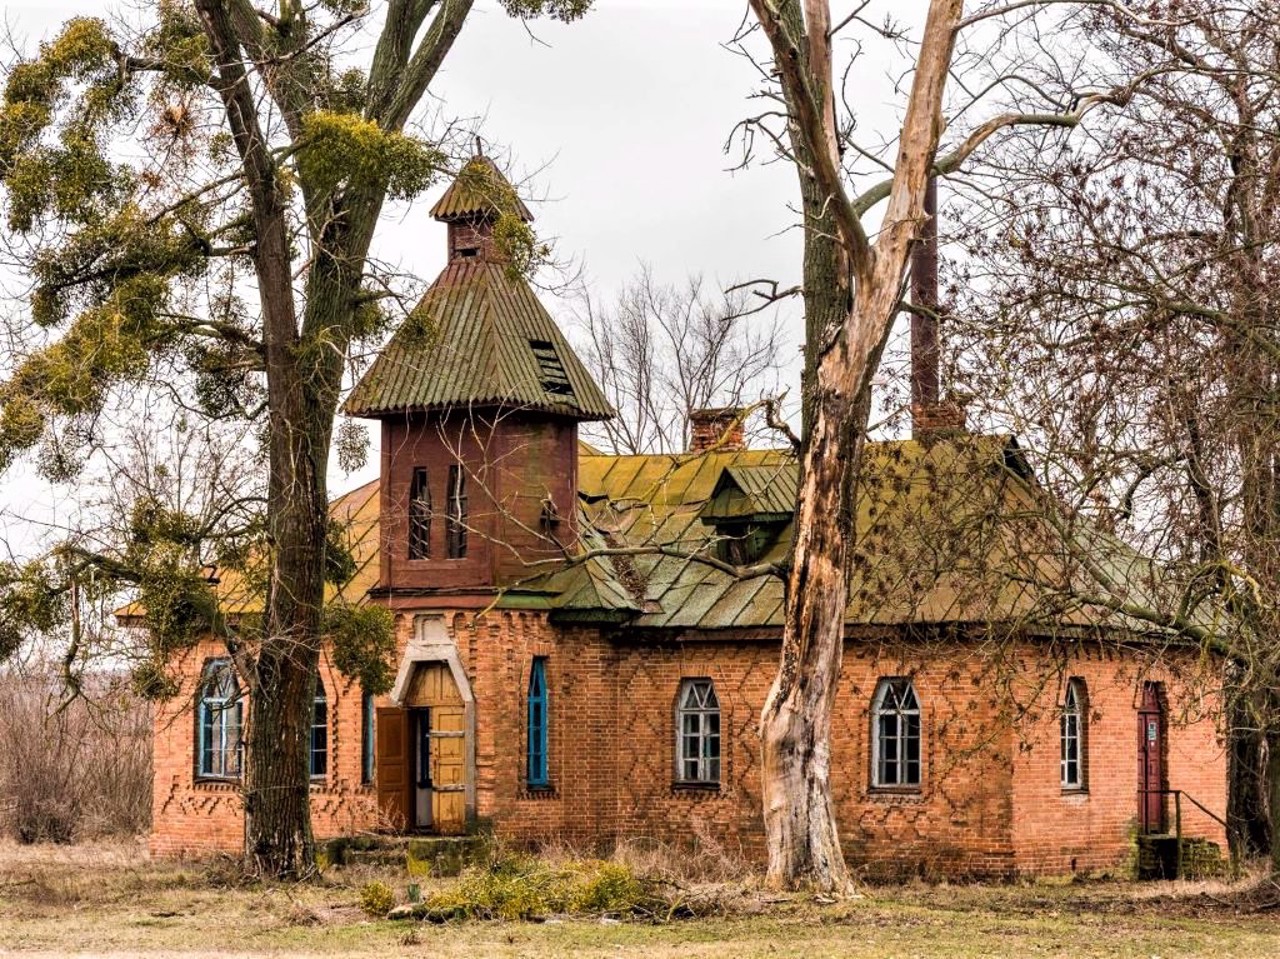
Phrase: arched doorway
x=426 y=741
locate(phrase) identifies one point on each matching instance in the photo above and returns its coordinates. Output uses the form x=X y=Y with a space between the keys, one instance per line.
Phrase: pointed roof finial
x=479 y=147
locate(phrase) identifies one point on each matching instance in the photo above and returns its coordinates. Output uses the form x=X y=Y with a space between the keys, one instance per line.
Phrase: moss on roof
x=480 y=190
x=478 y=338
x=953 y=532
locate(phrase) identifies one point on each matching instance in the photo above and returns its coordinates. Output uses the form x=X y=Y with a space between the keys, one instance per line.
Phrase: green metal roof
x=763 y=493
x=479 y=338
x=953 y=531
x=479 y=191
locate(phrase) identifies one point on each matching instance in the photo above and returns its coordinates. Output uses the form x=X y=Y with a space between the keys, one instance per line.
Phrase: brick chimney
x=931 y=416
x=718 y=429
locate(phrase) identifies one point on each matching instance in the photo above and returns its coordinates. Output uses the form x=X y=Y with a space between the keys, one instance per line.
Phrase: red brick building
x=578 y=658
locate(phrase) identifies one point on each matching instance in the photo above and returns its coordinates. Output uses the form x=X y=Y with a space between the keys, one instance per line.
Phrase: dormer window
x=551 y=371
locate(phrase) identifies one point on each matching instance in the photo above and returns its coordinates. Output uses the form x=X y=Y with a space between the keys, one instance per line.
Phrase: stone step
x=419 y=855
x=1158 y=858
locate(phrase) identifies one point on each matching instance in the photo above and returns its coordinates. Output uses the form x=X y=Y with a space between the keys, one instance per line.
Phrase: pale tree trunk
x=841 y=358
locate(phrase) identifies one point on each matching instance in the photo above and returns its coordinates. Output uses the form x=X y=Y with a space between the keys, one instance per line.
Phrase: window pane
x=319 y=737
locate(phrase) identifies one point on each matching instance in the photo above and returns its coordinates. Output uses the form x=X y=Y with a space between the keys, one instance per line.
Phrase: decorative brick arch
x=431 y=643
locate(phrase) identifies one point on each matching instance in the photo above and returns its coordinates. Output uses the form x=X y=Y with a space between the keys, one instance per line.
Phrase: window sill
x=1075 y=792
x=216 y=783
x=683 y=786
x=536 y=793
x=896 y=792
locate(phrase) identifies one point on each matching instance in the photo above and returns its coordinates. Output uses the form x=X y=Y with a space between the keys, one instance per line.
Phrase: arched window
x=537 y=752
x=219 y=721
x=698 y=732
x=455 y=526
x=1072 y=728
x=895 y=735
x=420 y=515
x=320 y=733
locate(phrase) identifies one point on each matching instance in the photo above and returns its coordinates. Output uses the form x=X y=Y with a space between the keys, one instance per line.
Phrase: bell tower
x=479 y=396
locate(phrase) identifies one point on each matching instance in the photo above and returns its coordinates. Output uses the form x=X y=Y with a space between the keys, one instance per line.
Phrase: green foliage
x=151 y=680
x=565 y=10
x=377 y=898
x=351 y=443
x=609 y=887
x=179 y=42
x=525 y=887
x=126 y=255
x=31 y=601
x=76 y=74
x=178 y=602
x=517 y=242
x=343 y=150
x=364 y=641
x=340 y=565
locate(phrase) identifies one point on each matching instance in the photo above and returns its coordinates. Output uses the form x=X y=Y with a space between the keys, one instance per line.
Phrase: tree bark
x=851 y=298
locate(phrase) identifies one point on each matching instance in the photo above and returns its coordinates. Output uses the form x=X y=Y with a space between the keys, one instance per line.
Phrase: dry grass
x=108 y=900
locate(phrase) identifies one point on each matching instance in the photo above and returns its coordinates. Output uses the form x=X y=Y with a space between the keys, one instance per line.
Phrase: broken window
x=698 y=732
x=1072 y=728
x=895 y=733
x=551 y=370
x=456 y=522
x=537 y=752
x=419 y=515
x=319 y=733
x=219 y=722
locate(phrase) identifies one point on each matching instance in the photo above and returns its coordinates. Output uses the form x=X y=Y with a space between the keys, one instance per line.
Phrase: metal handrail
x=1177 y=814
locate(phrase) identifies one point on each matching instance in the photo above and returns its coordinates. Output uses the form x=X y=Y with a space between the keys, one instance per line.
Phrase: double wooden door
x=422 y=755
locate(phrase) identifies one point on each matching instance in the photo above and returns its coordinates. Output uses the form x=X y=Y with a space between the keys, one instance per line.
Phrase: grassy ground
x=56 y=901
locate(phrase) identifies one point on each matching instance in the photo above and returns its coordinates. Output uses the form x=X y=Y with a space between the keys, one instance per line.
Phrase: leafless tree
x=862 y=206
x=1118 y=306
x=660 y=351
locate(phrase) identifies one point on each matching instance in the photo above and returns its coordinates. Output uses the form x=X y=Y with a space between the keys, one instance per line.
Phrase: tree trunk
x=1273 y=790
x=278 y=838
x=800 y=822
x=804 y=845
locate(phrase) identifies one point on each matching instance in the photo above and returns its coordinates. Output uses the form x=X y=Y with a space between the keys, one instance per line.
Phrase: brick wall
x=1058 y=830
x=191 y=816
x=990 y=801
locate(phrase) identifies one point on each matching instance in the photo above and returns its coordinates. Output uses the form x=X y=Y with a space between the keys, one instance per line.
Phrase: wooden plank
x=391 y=770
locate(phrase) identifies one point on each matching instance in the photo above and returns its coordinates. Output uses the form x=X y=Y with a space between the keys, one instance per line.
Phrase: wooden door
x=448 y=769
x=391 y=753
x=1151 y=729
x=440 y=803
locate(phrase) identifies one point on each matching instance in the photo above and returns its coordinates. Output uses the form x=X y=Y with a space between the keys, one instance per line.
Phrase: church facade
x=585 y=641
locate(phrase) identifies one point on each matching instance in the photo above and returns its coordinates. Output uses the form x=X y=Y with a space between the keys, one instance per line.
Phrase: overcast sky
x=622 y=119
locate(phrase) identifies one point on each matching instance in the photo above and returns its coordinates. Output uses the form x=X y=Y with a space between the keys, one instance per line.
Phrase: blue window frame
x=537 y=765
x=320 y=734
x=366 y=736
x=220 y=720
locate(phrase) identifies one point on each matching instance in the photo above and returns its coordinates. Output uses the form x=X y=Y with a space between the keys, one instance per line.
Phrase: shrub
x=77 y=769
x=524 y=887
x=377 y=898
